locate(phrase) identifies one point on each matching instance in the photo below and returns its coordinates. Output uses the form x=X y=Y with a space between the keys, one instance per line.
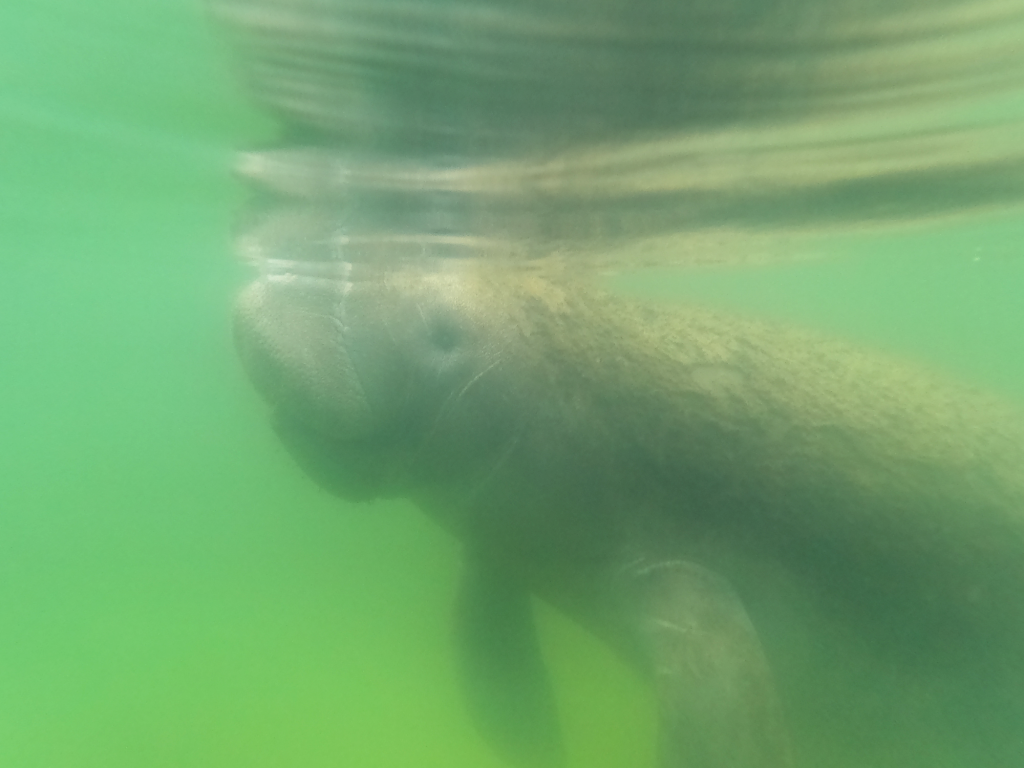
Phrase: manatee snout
x=289 y=332
x=363 y=351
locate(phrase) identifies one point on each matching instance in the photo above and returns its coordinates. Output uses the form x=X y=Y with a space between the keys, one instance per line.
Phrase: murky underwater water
x=173 y=591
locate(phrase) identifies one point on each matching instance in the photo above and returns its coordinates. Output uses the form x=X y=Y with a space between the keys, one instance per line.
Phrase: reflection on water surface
x=663 y=132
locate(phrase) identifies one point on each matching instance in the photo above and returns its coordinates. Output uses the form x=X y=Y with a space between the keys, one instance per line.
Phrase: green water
x=173 y=592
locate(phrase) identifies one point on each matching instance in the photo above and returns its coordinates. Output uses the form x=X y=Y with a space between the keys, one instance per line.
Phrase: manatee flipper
x=716 y=698
x=504 y=676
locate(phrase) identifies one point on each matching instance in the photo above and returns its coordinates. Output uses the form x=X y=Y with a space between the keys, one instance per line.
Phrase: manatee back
x=879 y=481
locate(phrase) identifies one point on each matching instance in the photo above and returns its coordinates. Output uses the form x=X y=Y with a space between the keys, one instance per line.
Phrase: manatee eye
x=445 y=335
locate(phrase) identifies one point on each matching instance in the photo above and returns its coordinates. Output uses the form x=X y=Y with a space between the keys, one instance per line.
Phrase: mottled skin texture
x=667 y=476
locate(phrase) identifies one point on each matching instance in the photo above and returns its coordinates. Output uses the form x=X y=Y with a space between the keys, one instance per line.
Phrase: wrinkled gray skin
x=672 y=481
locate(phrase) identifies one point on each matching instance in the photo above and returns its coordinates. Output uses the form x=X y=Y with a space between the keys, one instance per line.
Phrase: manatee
x=815 y=554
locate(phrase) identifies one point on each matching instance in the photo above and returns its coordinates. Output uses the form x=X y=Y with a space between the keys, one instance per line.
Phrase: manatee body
x=815 y=554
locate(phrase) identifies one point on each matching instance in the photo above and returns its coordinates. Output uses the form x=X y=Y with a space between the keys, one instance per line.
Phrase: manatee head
x=380 y=377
